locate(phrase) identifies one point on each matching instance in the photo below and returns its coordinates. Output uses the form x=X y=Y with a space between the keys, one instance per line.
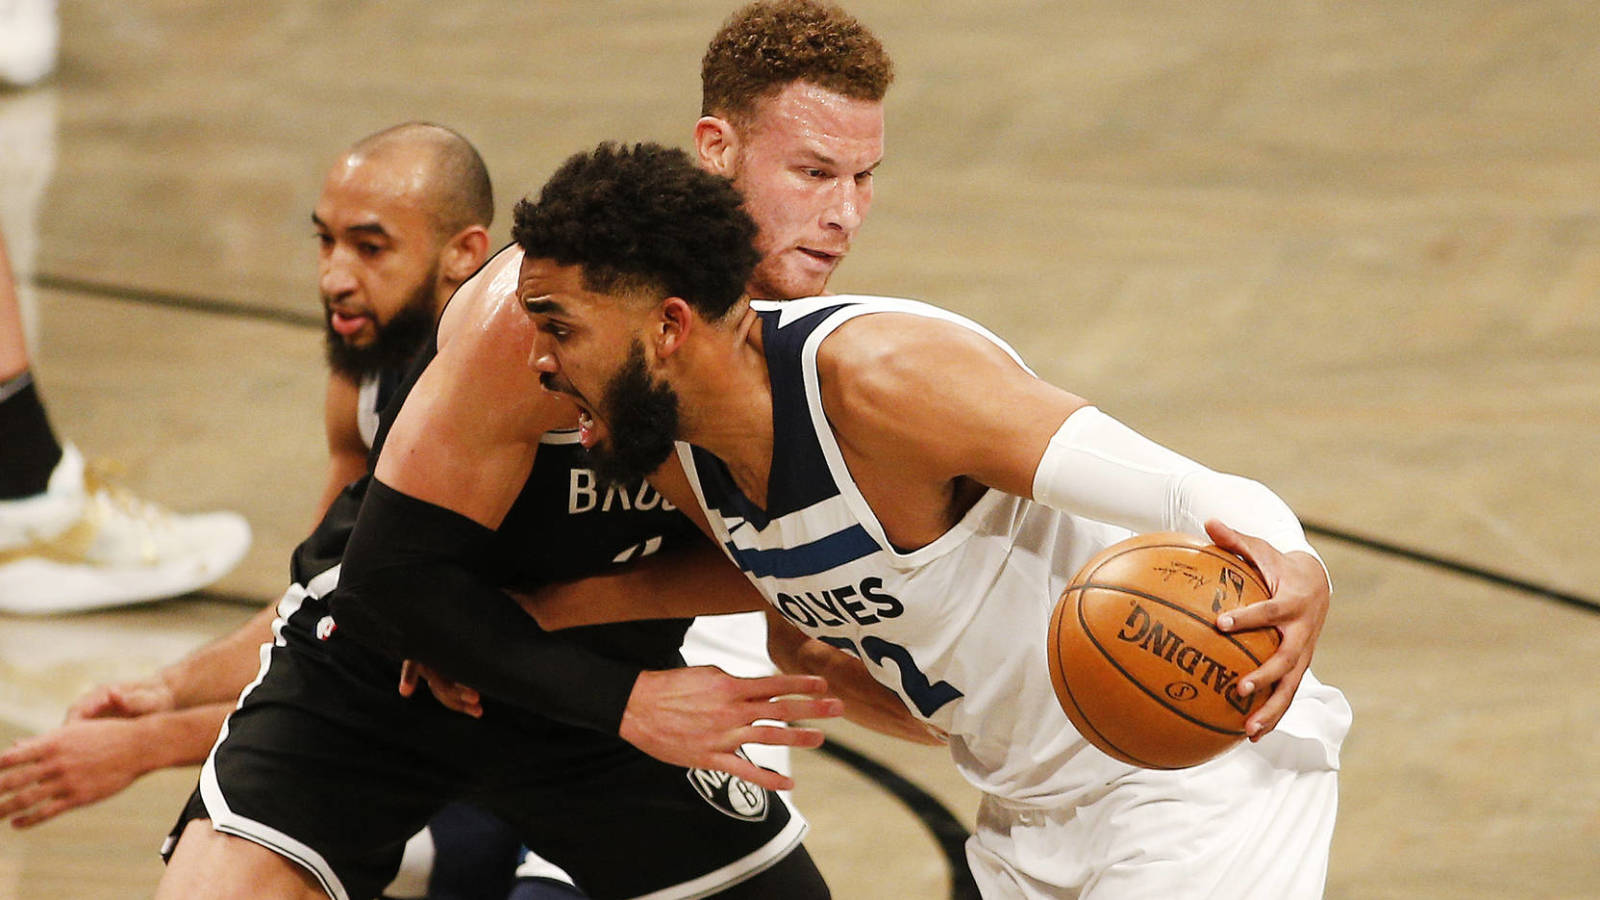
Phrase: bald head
x=402 y=221
x=435 y=167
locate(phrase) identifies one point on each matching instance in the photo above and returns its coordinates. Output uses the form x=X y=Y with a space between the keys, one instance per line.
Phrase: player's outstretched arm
x=683 y=582
x=120 y=731
x=695 y=717
x=88 y=760
x=404 y=555
x=117 y=732
x=699 y=580
x=453 y=463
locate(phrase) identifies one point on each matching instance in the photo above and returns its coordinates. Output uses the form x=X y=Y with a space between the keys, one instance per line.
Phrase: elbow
x=366 y=610
x=785 y=646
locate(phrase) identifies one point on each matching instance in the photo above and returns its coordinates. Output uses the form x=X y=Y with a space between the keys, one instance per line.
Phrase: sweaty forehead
x=545 y=278
x=804 y=117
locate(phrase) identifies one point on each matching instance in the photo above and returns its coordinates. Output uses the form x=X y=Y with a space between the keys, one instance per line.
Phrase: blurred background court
x=1350 y=249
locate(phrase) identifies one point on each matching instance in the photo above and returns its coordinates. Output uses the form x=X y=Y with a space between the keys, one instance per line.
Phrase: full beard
x=396 y=341
x=643 y=418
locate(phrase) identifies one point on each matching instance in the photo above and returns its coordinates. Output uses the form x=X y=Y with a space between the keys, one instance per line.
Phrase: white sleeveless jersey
x=957 y=628
x=368 y=406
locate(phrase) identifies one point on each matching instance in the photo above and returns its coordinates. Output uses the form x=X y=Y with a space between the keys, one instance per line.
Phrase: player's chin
x=804 y=284
x=360 y=339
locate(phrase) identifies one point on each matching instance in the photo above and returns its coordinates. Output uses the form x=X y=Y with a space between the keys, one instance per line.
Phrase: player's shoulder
x=895 y=332
x=490 y=292
x=836 y=308
x=892 y=353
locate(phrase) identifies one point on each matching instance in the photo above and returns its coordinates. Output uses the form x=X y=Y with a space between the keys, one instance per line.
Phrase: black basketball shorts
x=326 y=764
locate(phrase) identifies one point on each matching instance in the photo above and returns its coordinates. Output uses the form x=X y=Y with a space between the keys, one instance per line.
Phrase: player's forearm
x=691 y=581
x=217 y=672
x=1099 y=468
x=866 y=702
x=181 y=738
x=407 y=589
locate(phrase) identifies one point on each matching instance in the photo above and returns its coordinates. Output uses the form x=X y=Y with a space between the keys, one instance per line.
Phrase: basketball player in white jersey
x=899 y=485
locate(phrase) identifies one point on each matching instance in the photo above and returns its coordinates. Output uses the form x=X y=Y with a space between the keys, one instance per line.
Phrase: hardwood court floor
x=1350 y=249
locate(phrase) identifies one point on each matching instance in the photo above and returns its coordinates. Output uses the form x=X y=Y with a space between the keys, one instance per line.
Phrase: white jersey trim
x=367 y=409
x=223 y=818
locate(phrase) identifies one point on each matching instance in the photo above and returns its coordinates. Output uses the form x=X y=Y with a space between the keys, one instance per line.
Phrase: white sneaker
x=30 y=31
x=84 y=545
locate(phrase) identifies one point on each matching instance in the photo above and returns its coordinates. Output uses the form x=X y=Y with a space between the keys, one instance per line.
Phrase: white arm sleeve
x=1098 y=468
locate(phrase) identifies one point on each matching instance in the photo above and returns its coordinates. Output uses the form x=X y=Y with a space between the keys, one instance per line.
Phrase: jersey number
x=927 y=697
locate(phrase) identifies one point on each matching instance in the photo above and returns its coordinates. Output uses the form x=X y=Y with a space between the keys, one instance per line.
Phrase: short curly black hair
x=643 y=218
x=767 y=45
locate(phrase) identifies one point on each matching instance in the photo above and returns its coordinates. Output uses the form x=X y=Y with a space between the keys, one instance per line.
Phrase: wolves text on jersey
x=864 y=603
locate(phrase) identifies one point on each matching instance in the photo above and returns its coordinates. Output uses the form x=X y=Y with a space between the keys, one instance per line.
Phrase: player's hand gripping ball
x=1137 y=661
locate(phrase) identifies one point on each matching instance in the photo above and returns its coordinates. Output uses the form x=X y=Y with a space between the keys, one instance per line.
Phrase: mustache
x=563 y=388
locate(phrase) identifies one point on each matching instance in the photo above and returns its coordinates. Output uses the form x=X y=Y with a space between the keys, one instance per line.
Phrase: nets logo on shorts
x=730 y=794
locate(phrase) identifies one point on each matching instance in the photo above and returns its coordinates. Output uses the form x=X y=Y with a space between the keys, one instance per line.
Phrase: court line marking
x=1588 y=604
x=946 y=829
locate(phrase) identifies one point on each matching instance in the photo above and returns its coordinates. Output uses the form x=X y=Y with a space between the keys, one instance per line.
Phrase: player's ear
x=716 y=144
x=463 y=254
x=675 y=320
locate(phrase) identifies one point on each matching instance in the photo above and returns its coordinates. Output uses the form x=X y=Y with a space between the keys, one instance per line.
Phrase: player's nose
x=542 y=357
x=334 y=276
x=848 y=207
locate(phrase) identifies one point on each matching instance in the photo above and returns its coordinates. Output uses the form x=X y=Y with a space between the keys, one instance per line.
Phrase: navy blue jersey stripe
x=800 y=475
x=820 y=555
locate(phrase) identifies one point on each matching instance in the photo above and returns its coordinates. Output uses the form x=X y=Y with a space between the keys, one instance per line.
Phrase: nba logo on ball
x=1136 y=660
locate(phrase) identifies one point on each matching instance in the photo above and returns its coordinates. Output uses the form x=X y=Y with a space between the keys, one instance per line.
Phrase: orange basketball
x=1137 y=661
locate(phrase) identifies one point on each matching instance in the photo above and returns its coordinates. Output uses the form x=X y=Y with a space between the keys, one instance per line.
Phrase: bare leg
x=13 y=351
x=209 y=864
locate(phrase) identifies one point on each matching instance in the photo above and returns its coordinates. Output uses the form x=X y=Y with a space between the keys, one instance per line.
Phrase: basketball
x=1137 y=661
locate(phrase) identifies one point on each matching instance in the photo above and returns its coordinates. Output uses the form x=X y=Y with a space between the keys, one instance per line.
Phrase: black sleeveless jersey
x=563 y=525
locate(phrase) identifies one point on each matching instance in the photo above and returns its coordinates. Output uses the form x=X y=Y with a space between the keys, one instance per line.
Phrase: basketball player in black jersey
x=401 y=221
